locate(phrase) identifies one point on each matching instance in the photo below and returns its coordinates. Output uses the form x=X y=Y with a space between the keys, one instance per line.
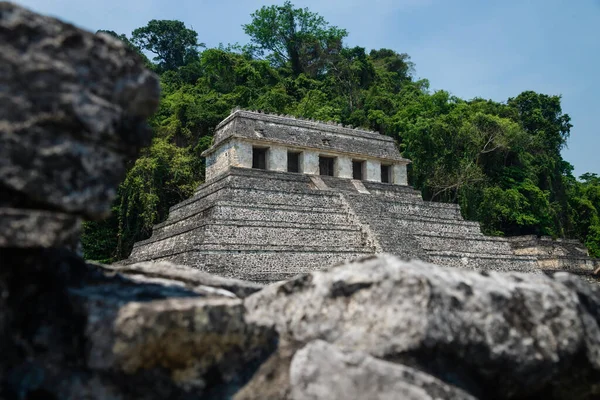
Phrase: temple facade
x=277 y=143
x=285 y=196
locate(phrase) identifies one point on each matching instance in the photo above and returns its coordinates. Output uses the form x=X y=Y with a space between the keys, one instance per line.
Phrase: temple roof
x=301 y=133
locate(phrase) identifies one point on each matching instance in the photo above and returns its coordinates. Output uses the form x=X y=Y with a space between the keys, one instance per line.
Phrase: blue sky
x=472 y=48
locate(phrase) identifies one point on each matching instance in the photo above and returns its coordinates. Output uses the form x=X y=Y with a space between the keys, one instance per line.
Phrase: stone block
x=72 y=116
x=372 y=171
x=399 y=175
x=310 y=162
x=344 y=167
x=277 y=158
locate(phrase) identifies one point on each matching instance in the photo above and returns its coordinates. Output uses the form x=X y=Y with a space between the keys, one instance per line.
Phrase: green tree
x=542 y=118
x=164 y=175
x=122 y=37
x=584 y=210
x=173 y=44
x=295 y=36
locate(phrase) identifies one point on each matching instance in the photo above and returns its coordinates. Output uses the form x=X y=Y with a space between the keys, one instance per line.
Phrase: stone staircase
x=267 y=226
x=435 y=232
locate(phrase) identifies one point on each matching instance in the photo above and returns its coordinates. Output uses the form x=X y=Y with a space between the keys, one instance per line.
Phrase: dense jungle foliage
x=501 y=161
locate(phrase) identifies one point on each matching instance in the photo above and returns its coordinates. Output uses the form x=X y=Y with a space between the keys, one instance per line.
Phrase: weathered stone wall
x=300 y=133
x=310 y=163
x=238 y=153
x=556 y=254
x=218 y=162
x=344 y=167
x=235 y=153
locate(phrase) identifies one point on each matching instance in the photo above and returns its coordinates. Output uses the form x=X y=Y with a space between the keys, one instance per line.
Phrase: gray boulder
x=74 y=110
x=320 y=371
x=71 y=330
x=496 y=335
x=37 y=228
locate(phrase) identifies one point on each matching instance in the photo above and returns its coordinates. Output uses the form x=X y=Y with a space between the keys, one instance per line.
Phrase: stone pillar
x=399 y=175
x=310 y=163
x=241 y=155
x=372 y=171
x=277 y=158
x=343 y=167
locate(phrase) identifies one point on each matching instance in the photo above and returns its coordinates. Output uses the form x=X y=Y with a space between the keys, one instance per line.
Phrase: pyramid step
x=481 y=244
x=230 y=235
x=342 y=184
x=283 y=254
x=401 y=208
x=265 y=266
x=415 y=224
x=264 y=208
x=488 y=262
x=254 y=196
x=226 y=230
x=168 y=244
x=195 y=222
x=279 y=214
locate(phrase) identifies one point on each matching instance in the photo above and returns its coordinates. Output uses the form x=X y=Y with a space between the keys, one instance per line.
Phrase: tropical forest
x=501 y=161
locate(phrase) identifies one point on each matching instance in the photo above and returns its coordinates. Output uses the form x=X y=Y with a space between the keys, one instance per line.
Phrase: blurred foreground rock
x=73 y=110
x=72 y=115
x=71 y=330
x=494 y=335
x=321 y=371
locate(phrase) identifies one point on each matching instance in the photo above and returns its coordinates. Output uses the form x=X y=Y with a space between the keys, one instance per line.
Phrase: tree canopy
x=294 y=36
x=171 y=42
x=501 y=161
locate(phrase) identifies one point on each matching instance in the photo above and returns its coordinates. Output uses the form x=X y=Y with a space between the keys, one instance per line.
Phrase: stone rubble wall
x=557 y=254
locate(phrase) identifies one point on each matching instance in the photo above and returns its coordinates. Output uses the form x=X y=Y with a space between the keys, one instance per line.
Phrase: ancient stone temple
x=285 y=196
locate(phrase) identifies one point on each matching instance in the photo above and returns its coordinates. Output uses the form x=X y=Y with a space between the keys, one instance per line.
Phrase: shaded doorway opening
x=357 y=169
x=326 y=165
x=259 y=158
x=386 y=174
x=293 y=161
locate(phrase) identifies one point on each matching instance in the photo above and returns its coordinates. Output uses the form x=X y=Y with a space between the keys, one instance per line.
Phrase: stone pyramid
x=255 y=220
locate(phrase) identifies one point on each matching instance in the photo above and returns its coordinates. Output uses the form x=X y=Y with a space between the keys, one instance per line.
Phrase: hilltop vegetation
x=501 y=161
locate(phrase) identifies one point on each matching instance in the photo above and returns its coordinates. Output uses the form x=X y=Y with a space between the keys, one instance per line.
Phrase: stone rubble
x=494 y=335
